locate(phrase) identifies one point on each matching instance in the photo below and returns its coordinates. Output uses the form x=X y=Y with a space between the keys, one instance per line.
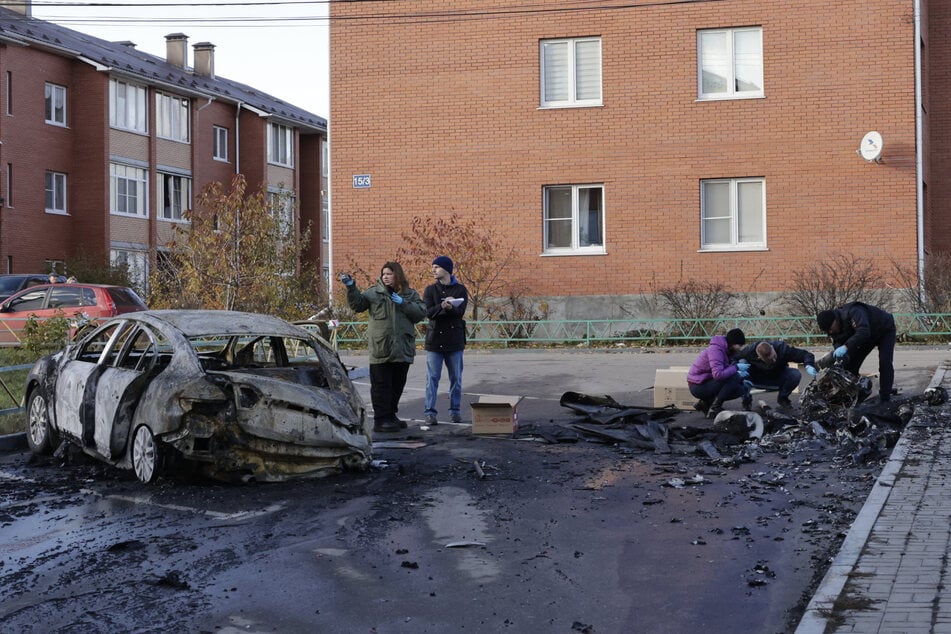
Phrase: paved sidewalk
x=893 y=574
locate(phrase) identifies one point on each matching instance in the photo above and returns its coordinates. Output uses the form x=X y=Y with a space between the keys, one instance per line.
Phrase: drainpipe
x=237 y=139
x=919 y=155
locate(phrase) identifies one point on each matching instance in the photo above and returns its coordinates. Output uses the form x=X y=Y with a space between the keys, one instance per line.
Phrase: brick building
x=104 y=146
x=624 y=147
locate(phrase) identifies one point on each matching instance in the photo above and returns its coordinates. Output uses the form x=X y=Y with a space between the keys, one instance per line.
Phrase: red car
x=94 y=301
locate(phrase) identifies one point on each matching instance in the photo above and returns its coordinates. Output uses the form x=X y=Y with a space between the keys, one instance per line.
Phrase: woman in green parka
x=394 y=309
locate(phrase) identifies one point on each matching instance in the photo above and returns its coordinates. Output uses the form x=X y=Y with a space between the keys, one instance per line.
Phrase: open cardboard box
x=495 y=414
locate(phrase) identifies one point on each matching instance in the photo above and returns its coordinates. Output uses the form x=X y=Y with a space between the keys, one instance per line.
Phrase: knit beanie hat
x=825 y=319
x=444 y=262
x=735 y=337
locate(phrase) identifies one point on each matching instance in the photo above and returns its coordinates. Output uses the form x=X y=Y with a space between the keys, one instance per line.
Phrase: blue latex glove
x=743 y=373
x=346 y=279
x=743 y=366
x=396 y=298
x=811 y=370
x=748 y=385
x=840 y=352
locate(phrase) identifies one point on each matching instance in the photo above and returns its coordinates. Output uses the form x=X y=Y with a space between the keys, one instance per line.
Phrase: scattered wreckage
x=833 y=413
x=235 y=396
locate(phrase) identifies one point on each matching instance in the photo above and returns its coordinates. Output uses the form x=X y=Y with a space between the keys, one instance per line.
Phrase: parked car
x=14 y=282
x=92 y=301
x=240 y=396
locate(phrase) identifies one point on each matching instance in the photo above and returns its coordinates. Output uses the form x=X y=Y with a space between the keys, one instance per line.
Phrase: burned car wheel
x=146 y=456
x=40 y=435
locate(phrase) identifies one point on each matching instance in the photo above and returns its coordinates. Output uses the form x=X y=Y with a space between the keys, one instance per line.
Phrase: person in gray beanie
x=446 y=302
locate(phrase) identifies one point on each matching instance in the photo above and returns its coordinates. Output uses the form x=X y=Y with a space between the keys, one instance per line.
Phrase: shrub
x=834 y=281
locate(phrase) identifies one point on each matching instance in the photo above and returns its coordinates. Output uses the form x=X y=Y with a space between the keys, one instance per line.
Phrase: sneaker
x=784 y=403
x=455 y=418
x=431 y=419
x=387 y=426
x=400 y=422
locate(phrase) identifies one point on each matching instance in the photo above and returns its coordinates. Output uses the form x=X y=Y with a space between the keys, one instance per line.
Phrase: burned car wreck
x=833 y=415
x=234 y=396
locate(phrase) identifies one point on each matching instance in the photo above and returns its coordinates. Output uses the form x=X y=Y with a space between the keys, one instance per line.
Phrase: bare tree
x=834 y=281
x=934 y=295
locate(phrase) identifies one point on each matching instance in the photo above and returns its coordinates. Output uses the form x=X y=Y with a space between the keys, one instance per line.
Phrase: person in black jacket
x=446 y=301
x=769 y=368
x=855 y=329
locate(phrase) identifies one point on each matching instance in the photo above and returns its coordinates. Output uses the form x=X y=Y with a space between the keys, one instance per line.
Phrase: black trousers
x=387 y=381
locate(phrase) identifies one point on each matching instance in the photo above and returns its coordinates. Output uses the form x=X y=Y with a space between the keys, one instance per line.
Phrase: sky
x=296 y=29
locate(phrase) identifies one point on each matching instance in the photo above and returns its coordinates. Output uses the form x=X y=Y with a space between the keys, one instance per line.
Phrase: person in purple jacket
x=714 y=379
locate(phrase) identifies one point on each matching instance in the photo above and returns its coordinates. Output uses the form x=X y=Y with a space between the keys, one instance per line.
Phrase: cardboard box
x=670 y=388
x=495 y=415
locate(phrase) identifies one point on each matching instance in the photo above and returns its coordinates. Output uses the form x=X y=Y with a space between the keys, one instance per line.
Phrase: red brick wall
x=939 y=130
x=444 y=115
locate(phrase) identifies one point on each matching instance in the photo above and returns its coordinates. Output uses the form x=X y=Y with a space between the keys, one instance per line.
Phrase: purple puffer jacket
x=713 y=363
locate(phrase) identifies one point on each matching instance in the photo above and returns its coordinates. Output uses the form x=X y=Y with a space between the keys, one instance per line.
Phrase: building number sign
x=361 y=181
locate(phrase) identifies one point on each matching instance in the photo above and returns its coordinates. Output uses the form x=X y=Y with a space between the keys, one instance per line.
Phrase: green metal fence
x=912 y=327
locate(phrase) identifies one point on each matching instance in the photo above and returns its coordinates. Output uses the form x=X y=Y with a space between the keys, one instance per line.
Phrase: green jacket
x=391 y=331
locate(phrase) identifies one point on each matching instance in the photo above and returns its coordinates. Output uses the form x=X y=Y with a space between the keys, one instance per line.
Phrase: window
x=127 y=110
x=9 y=92
x=324 y=159
x=172 y=117
x=571 y=72
x=9 y=184
x=280 y=145
x=174 y=196
x=731 y=63
x=574 y=218
x=55 y=192
x=733 y=213
x=128 y=190
x=135 y=264
x=55 y=104
x=220 y=144
x=282 y=206
x=71 y=297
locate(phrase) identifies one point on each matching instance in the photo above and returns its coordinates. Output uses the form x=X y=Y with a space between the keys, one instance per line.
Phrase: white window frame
x=55 y=101
x=280 y=144
x=172 y=117
x=175 y=209
x=569 y=70
x=220 y=152
x=282 y=206
x=120 y=176
x=576 y=247
x=733 y=215
x=56 y=192
x=728 y=66
x=136 y=263
x=128 y=106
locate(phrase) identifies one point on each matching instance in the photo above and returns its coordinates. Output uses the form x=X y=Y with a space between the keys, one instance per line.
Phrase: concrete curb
x=830 y=588
x=13 y=442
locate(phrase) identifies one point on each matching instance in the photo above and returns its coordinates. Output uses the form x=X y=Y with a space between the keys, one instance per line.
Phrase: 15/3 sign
x=361 y=181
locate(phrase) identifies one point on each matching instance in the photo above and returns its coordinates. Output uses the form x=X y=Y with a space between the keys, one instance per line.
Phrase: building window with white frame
x=55 y=104
x=128 y=190
x=574 y=219
x=733 y=213
x=55 y=193
x=282 y=206
x=127 y=106
x=730 y=63
x=135 y=264
x=172 y=117
x=220 y=144
x=175 y=193
x=570 y=72
x=280 y=144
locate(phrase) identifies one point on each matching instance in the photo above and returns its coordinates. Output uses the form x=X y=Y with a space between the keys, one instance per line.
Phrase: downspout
x=919 y=156
x=237 y=139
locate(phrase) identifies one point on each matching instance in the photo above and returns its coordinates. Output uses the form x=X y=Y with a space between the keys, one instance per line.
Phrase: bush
x=834 y=281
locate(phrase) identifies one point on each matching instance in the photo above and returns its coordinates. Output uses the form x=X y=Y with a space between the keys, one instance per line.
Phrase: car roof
x=199 y=323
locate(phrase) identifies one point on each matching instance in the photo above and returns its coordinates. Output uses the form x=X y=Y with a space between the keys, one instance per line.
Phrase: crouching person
x=714 y=379
x=769 y=367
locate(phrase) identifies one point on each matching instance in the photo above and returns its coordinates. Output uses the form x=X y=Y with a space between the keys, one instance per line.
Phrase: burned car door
x=124 y=377
x=76 y=385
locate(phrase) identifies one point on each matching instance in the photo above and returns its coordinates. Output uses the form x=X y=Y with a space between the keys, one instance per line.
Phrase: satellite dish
x=871 y=148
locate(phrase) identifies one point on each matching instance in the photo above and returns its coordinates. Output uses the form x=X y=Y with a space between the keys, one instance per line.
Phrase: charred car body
x=239 y=395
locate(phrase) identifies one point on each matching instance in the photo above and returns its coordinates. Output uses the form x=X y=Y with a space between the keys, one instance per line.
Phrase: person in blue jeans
x=714 y=379
x=446 y=302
